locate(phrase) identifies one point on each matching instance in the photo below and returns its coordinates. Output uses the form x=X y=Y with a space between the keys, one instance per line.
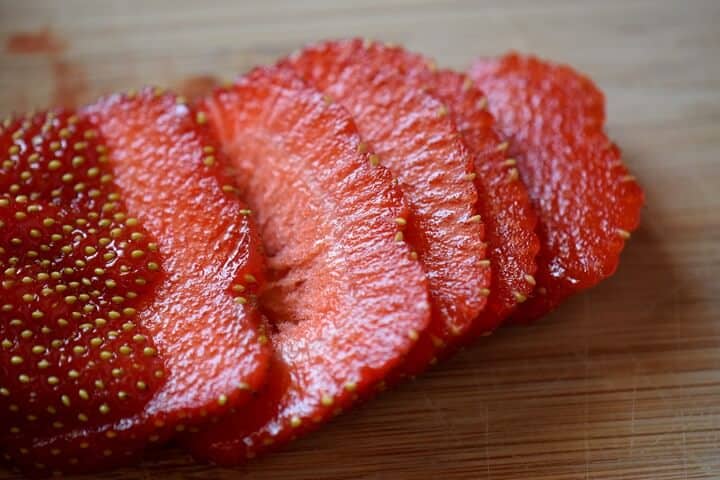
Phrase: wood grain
x=622 y=382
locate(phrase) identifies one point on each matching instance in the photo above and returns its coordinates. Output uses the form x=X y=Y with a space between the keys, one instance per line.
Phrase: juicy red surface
x=585 y=200
x=416 y=139
x=345 y=297
x=503 y=200
x=132 y=284
x=64 y=238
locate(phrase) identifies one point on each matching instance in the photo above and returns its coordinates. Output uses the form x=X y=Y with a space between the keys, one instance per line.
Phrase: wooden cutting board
x=622 y=382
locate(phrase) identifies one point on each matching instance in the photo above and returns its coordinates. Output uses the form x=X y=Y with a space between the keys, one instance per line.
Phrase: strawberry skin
x=111 y=337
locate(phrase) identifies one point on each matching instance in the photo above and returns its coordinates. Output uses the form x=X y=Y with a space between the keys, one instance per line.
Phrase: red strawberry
x=503 y=200
x=586 y=200
x=415 y=138
x=119 y=253
x=345 y=296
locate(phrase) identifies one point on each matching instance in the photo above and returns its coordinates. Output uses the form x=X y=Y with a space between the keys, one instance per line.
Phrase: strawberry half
x=503 y=200
x=345 y=297
x=415 y=138
x=121 y=320
x=586 y=200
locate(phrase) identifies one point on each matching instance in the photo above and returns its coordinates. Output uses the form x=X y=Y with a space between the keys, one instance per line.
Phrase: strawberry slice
x=414 y=137
x=586 y=200
x=510 y=220
x=345 y=297
x=118 y=284
x=503 y=200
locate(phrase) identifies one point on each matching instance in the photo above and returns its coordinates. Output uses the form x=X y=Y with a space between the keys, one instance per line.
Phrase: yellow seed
x=530 y=279
x=240 y=300
x=475 y=219
x=401 y=221
x=149 y=351
x=350 y=386
x=326 y=400
x=201 y=118
x=104 y=409
x=624 y=234
x=374 y=160
x=519 y=297
x=16 y=360
x=484 y=292
x=222 y=400
x=413 y=335
x=295 y=422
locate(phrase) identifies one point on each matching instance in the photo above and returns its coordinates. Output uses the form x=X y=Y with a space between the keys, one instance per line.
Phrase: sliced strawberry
x=586 y=201
x=345 y=296
x=510 y=220
x=415 y=138
x=118 y=283
x=503 y=200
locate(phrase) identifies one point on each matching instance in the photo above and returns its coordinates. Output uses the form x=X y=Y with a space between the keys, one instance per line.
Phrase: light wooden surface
x=622 y=382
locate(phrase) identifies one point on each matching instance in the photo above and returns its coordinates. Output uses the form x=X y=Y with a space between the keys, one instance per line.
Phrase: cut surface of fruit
x=345 y=296
x=414 y=137
x=117 y=283
x=586 y=201
x=503 y=200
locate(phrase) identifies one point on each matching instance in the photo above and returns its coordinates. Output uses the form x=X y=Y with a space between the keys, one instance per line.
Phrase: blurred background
x=622 y=382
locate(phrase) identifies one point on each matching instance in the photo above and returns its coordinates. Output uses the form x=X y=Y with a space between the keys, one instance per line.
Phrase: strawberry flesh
x=503 y=200
x=345 y=297
x=416 y=139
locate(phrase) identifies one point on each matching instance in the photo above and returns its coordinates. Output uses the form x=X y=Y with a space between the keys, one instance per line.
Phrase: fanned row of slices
x=238 y=271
